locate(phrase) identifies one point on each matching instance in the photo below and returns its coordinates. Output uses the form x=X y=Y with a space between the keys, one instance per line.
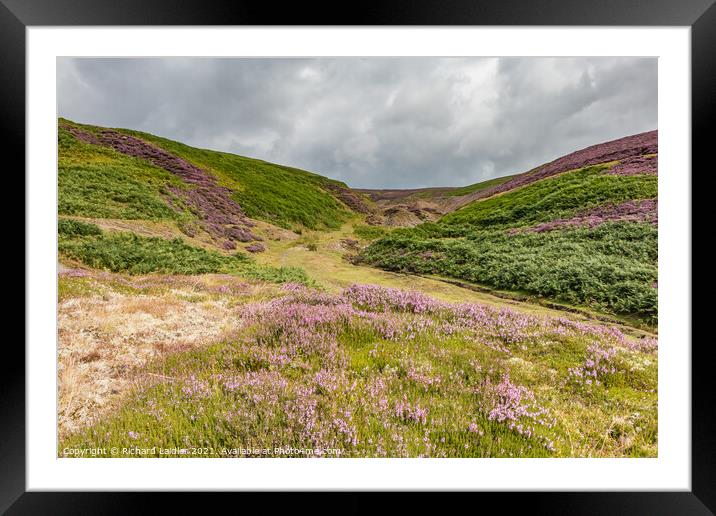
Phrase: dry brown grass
x=105 y=340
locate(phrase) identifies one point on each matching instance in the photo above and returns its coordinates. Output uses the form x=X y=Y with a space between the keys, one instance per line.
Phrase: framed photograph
x=426 y=248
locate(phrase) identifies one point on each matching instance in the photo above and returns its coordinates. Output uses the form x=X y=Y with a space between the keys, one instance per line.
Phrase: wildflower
x=517 y=406
x=411 y=413
x=597 y=365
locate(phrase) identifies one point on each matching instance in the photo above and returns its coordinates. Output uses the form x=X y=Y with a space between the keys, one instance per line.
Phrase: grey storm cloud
x=372 y=122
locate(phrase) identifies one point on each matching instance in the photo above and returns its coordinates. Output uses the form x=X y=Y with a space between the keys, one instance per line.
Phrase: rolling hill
x=135 y=191
x=581 y=230
x=135 y=175
x=214 y=305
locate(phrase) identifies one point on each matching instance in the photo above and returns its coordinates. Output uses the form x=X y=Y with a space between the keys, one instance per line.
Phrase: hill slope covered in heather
x=581 y=230
x=215 y=304
x=133 y=175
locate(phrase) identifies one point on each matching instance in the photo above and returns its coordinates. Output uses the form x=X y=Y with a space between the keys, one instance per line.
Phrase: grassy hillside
x=206 y=196
x=635 y=154
x=549 y=199
x=285 y=196
x=584 y=237
x=97 y=181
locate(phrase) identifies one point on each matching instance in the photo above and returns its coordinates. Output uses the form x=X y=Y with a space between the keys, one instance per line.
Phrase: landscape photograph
x=344 y=257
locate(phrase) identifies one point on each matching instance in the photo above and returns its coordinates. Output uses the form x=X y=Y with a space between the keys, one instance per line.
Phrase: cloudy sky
x=372 y=122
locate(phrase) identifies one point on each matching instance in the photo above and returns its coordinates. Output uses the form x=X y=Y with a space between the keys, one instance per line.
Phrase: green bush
x=134 y=254
x=75 y=228
x=370 y=232
x=611 y=268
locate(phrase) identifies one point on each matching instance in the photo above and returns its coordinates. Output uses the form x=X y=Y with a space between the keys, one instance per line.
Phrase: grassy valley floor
x=217 y=305
x=219 y=365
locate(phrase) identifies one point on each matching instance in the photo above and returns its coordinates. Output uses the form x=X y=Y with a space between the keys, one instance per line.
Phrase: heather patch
x=597 y=367
x=386 y=373
x=256 y=248
x=218 y=214
x=517 y=406
x=635 y=165
x=630 y=150
x=644 y=210
x=351 y=199
x=285 y=196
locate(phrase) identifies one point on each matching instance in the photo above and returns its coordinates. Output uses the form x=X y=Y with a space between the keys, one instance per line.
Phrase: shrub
x=134 y=254
x=74 y=228
x=370 y=232
x=611 y=268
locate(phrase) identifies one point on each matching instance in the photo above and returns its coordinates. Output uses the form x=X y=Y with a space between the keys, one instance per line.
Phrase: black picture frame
x=16 y=15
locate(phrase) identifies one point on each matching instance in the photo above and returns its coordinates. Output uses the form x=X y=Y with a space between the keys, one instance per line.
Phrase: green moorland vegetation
x=96 y=181
x=611 y=268
x=284 y=196
x=134 y=254
x=550 y=199
x=370 y=232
